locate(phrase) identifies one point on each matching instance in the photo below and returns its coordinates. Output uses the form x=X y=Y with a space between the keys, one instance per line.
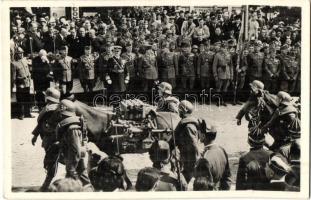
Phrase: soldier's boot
x=46 y=183
x=21 y=109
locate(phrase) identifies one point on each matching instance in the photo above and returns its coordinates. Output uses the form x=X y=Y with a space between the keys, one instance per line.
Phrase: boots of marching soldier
x=46 y=183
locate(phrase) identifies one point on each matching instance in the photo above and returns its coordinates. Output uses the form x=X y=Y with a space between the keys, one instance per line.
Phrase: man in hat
x=131 y=65
x=63 y=67
x=278 y=168
x=42 y=75
x=164 y=178
x=168 y=65
x=87 y=70
x=117 y=75
x=204 y=68
x=167 y=102
x=255 y=64
x=186 y=65
x=21 y=78
x=289 y=73
x=214 y=164
x=47 y=122
x=272 y=69
x=72 y=135
x=187 y=139
x=223 y=72
x=282 y=121
x=251 y=171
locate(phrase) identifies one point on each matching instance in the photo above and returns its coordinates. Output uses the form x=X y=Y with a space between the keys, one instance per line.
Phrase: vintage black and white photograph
x=156 y=98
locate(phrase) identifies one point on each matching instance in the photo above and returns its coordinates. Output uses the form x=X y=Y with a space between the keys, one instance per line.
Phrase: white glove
x=109 y=82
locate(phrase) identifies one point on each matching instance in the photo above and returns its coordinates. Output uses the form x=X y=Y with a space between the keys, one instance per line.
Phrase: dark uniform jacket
x=131 y=63
x=223 y=66
x=251 y=172
x=20 y=73
x=255 y=64
x=149 y=66
x=272 y=67
x=64 y=68
x=87 y=67
x=168 y=65
x=290 y=69
x=217 y=159
x=187 y=65
x=117 y=72
x=47 y=122
x=205 y=62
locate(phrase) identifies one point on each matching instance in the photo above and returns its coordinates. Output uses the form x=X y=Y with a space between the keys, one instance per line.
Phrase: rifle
x=176 y=160
x=238 y=50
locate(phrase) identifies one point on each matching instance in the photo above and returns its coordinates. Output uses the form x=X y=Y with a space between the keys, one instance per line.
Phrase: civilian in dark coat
x=73 y=44
x=41 y=76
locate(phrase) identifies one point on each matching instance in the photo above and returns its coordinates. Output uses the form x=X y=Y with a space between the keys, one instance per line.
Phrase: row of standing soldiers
x=216 y=67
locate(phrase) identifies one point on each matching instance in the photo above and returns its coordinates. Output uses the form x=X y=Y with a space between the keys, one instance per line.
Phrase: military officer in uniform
x=165 y=178
x=72 y=135
x=22 y=79
x=223 y=72
x=214 y=163
x=63 y=71
x=131 y=65
x=186 y=65
x=251 y=171
x=149 y=68
x=47 y=122
x=290 y=73
x=205 y=62
x=272 y=69
x=168 y=65
x=255 y=64
x=187 y=139
x=117 y=75
x=167 y=102
x=87 y=69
